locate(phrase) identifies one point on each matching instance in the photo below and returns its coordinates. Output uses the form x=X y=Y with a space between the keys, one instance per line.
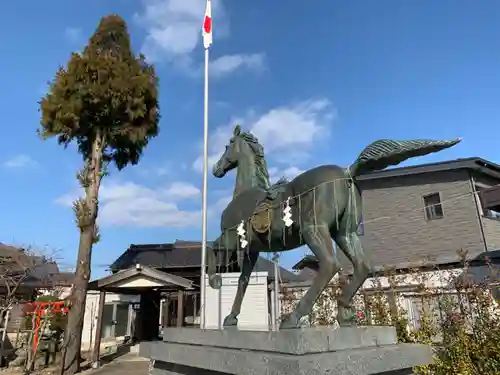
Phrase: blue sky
x=315 y=83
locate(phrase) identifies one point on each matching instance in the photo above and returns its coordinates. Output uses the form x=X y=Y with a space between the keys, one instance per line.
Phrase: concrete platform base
x=306 y=351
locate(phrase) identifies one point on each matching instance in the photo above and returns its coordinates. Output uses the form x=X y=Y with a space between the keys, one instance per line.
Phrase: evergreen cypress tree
x=106 y=101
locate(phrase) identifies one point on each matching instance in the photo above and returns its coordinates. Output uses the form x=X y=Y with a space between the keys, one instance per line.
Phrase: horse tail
x=385 y=153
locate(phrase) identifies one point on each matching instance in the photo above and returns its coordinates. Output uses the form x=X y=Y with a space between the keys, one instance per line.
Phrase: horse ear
x=237 y=130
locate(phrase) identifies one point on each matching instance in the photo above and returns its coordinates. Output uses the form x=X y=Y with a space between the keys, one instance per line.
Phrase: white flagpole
x=204 y=198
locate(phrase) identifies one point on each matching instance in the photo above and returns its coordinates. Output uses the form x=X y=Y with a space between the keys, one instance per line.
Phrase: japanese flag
x=207 y=26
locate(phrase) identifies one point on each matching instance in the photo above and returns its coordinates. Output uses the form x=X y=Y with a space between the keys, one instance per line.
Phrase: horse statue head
x=245 y=153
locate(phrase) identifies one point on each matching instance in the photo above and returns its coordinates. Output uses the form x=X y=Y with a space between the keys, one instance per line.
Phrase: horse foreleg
x=249 y=261
x=319 y=241
x=350 y=245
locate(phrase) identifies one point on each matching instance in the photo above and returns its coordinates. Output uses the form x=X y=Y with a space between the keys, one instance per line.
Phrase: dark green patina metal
x=326 y=204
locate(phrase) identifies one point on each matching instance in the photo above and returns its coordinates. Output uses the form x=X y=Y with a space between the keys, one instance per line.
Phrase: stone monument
x=305 y=351
x=319 y=205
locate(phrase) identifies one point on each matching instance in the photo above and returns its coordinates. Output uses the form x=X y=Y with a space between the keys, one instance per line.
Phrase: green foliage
x=105 y=92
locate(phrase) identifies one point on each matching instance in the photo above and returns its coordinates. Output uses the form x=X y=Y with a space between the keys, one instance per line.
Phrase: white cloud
x=173 y=29
x=285 y=132
x=147 y=212
x=217 y=140
x=182 y=190
x=19 y=161
x=174 y=26
x=300 y=125
x=293 y=157
x=160 y=170
x=221 y=204
x=229 y=63
x=132 y=205
x=68 y=198
x=73 y=34
x=290 y=173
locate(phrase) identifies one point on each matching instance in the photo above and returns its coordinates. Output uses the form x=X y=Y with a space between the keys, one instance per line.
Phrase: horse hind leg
x=317 y=237
x=249 y=261
x=351 y=246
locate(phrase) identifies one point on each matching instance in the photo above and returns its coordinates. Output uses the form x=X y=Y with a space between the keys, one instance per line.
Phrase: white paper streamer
x=287 y=214
x=241 y=233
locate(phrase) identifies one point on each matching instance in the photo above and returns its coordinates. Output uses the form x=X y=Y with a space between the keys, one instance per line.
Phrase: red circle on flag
x=207 y=25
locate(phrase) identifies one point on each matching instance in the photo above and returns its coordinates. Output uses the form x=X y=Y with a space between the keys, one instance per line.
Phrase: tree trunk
x=86 y=214
x=76 y=313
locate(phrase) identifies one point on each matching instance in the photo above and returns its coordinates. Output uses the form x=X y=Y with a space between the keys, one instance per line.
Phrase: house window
x=361 y=227
x=433 y=207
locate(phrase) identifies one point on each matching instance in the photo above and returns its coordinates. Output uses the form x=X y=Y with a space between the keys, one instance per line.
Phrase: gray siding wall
x=396 y=230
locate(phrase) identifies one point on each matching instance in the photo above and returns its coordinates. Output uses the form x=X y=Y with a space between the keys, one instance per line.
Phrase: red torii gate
x=40 y=310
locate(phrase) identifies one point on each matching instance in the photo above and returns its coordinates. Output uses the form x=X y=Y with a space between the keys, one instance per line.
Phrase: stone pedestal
x=304 y=351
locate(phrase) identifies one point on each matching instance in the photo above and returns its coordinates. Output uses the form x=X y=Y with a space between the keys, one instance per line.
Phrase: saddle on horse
x=253 y=205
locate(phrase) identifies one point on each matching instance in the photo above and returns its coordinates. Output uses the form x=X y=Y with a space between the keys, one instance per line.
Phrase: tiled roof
x=33 y=270
x=180 y=254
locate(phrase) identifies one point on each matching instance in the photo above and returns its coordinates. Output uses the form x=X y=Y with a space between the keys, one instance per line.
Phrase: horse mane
x=260 y=161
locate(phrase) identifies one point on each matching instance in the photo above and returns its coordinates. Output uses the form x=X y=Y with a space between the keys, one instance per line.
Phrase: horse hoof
x=230 y=321
x=290 y=322
x=215 y=281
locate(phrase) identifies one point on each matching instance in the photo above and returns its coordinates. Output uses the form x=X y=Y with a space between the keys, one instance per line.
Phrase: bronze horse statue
x=325 y=204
